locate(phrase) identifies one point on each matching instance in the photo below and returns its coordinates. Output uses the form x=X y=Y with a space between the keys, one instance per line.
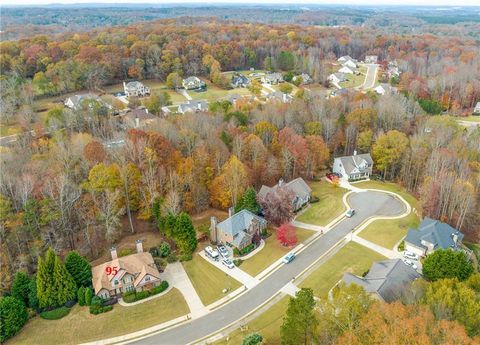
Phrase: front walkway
x=391 y=254
x=177 y=277
x=307 y=226
x=236 y=273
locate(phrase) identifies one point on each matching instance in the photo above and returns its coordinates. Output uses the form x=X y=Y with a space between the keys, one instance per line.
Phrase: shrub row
x=244 y=251
x=133 y=296
x=98 y=309
x=55 y=314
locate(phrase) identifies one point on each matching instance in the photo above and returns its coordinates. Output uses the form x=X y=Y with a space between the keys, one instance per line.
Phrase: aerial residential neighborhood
x=239 y=173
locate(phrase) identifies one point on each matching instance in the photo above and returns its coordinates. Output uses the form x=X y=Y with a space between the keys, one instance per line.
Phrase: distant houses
x=337 y=77
x=392 y=70
x=239 y=80
x=305 y=79
x=193 y=106
x=238 y=229
x=348 y=70
x=476 y=110
x=371 y=59
x=272 y=78
x=355 y=167
x=193 y=83
x=135 y=272
x=139 y=117
x=432 y=235
x=76 y=101
x=385 y=89
x=135 y=89
x=280 y=96
x=348 y=61
x=386 y=280
x=300 y=189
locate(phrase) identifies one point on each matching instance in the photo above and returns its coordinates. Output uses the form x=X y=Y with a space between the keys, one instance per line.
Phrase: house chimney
x=231 y=211
x=113 y=252
x=139 y=245
x=280 y=182
x=199 y=106
x=137 y=122
x=354 y=152
x=455 y=237
x=213 y=229
x=124 y=86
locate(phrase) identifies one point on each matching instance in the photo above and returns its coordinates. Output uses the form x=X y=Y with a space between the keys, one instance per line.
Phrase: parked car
x=410 y=255
x=331 y=176
x=350 y=213
x=211 y=252
x=289 y=258
x=228 y=263
x=410 y=263
x=223 y=251
x=337 y=174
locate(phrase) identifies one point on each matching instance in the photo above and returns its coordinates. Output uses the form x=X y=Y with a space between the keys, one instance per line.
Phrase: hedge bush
x=98 y=309
x=55 y=314
x=133 y=296
x=244 y=251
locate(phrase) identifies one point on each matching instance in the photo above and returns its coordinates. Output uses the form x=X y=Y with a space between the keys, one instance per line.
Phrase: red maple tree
x=286 y=235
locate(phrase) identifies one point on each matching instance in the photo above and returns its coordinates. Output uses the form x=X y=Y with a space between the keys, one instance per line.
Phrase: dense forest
x=64 y=189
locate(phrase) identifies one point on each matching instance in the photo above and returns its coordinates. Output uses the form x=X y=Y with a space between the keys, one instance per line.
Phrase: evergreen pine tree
x=64 y=284
x=169 y=224
x=300 y=320
x=32 y=294
x=248 y=201
x=185 y=234
x=45 y=283
x=88 y=296
x=81 y=296
x=13 y=315
x=79 y=268
x=21 y=287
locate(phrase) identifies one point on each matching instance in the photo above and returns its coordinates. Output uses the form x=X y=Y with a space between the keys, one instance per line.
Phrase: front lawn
x=80 y=326
x=267 y=324
x=353 y=257
x=272 y=251
x=208 y=280
x=328 y=208
x=388 y=232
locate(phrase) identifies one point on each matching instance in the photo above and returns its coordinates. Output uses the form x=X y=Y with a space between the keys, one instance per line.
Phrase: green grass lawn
x=267 y=324
x=272 y=251
x=80 y=326
x=388 y=232
x=353 y=81
x=208 y=280
x=6 y=130
x=353 y=258
x=328 y=208
x=214 y=93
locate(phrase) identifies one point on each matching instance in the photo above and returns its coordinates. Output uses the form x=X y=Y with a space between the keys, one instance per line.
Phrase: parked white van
x=213 y=253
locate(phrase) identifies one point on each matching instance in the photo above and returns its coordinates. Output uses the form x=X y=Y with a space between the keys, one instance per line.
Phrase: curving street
x=367 y=204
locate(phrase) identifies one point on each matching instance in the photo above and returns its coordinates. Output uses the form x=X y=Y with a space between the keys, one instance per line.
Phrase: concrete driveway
x=370 y=77
x=366 y=204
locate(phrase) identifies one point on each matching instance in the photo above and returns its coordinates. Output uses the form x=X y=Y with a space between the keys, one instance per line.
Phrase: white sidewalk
x=177 y=277
x=236 y=273
x=375 y=247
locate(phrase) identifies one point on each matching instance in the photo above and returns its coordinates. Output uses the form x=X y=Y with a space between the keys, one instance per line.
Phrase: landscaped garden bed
x=134 y=296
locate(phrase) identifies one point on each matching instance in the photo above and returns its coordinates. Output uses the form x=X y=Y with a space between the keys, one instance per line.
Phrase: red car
x=332 y=176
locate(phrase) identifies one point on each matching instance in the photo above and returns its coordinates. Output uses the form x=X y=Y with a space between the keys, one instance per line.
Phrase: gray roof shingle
x=239 y=222
x=435 y=232
x=298 y=186
x=351 y=162
x=387 y=278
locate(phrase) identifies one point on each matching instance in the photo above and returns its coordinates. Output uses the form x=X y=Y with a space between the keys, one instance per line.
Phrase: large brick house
x=135 y=272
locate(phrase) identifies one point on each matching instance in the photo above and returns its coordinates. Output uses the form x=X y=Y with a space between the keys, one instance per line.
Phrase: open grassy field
x=353 y=258
x=214 y=93
x=267 y=324
x=328 y=208
x=80 y=326
x=208 y=280
x=272 y=251
x=355 y=80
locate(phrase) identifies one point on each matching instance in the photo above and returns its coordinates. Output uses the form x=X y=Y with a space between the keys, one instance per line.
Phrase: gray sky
x=355 y=2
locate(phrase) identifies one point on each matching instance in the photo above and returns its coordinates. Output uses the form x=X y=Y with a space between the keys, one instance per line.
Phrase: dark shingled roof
x=435 y=232
x=387 y=278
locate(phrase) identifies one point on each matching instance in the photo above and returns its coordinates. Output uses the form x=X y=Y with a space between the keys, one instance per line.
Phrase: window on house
x=147 y=279
x=115 y=282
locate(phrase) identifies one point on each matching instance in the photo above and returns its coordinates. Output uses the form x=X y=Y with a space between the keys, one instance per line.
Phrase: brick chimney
x=139 y=245
x=213 y=229
x=231 y=211
x=113 y=252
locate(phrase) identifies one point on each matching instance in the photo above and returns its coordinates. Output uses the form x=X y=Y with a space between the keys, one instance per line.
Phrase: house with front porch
x=135 y=272
x=355 y=167
x=238 y=229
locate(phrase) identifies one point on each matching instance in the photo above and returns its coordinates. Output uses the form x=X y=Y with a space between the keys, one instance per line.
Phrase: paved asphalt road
x=366 y=204
x=370 y=77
